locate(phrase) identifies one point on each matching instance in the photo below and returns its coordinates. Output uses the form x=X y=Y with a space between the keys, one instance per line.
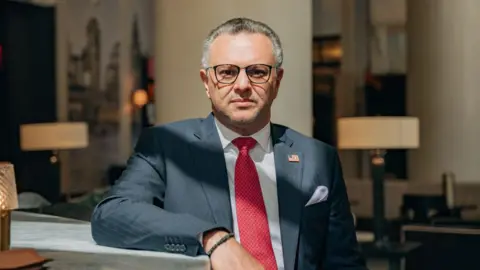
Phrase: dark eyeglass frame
x=238 y=72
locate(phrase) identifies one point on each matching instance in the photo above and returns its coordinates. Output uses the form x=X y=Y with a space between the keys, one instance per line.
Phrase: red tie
x=251 y=214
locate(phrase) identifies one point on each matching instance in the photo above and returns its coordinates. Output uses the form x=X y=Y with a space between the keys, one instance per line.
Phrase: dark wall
x=324 y=70
x=27 y=90
x=388 y=98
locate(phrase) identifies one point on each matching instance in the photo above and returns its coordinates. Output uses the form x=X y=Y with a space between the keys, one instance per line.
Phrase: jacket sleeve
x=132 y=215
x=342 y=251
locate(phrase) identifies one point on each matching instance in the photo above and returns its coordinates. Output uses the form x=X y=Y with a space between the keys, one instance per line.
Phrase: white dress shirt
x=262 y=155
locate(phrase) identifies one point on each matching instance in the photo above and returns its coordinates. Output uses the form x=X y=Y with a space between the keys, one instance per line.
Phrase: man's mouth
x=242 y=100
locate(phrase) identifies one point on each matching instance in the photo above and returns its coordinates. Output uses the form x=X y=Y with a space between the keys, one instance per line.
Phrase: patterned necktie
x=251 y=214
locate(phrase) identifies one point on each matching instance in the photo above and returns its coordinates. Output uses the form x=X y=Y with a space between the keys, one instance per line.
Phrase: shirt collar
x=227 y=135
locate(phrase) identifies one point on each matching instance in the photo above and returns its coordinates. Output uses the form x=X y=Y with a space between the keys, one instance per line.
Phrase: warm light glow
x=140 y=98
x=53 y=136
x=378 y=132
x=3 y=202
x=8 y=189
x=332 y=52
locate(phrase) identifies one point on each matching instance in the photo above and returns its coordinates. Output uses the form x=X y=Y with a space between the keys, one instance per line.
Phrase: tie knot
x=244 y=143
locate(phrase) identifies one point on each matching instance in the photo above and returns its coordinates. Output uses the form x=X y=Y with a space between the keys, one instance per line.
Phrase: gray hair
x=243 y=25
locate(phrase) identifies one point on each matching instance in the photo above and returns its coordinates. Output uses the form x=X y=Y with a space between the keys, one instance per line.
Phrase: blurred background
x=80 y=79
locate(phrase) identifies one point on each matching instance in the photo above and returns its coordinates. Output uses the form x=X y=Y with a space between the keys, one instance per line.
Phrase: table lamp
x=376 y=134
x=53 y=137
x=8 y=202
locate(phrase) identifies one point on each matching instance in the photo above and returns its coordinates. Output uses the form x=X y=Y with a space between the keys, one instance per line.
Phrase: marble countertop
x=35 y=217
x=69 y=243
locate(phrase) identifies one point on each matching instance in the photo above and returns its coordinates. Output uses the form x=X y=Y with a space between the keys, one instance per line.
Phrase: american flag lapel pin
x=293 y=158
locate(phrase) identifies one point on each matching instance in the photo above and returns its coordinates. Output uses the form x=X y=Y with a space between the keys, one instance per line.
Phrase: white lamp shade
x=53 y=136
x=378 y=132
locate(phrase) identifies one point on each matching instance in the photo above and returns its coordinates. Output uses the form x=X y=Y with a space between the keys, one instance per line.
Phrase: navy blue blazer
x=175 y=187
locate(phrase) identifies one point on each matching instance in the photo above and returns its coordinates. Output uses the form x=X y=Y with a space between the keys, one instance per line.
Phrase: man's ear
x=278 y=79
x=279 y=76
x=204 y=77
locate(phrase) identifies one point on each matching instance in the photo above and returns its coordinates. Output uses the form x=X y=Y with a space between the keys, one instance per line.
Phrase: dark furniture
x=431 y=209
x=443 y=248
x=393 y=252
x=392 y=227
x=423 y=208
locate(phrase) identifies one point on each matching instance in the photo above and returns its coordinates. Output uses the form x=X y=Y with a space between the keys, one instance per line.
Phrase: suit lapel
x=209 y=160
x=289 y=188
x=208 y=155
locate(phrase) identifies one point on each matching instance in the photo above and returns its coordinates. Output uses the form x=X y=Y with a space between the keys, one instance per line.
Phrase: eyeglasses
x=228 y=74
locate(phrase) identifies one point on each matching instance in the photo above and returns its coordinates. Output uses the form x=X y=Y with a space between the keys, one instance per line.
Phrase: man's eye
x=257 y=73
x=227 y=72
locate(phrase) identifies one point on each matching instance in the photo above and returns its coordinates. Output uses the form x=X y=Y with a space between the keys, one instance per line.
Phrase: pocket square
x=320 y=195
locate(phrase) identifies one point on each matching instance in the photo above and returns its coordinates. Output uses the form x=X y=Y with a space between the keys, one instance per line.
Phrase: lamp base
x=378 y=171
x=5 y=222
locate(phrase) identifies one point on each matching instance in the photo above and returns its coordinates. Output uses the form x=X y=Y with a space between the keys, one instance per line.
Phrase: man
x=248 y=193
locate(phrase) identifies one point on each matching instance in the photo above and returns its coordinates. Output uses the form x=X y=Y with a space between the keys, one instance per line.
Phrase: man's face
x=245 y=95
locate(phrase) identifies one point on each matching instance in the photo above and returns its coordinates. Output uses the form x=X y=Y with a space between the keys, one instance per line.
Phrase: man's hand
x=229 y=255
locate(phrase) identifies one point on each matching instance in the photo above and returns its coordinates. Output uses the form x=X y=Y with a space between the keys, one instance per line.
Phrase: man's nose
x=243 y=82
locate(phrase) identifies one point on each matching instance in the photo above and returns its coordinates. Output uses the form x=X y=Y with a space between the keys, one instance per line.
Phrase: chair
x=425 y=209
